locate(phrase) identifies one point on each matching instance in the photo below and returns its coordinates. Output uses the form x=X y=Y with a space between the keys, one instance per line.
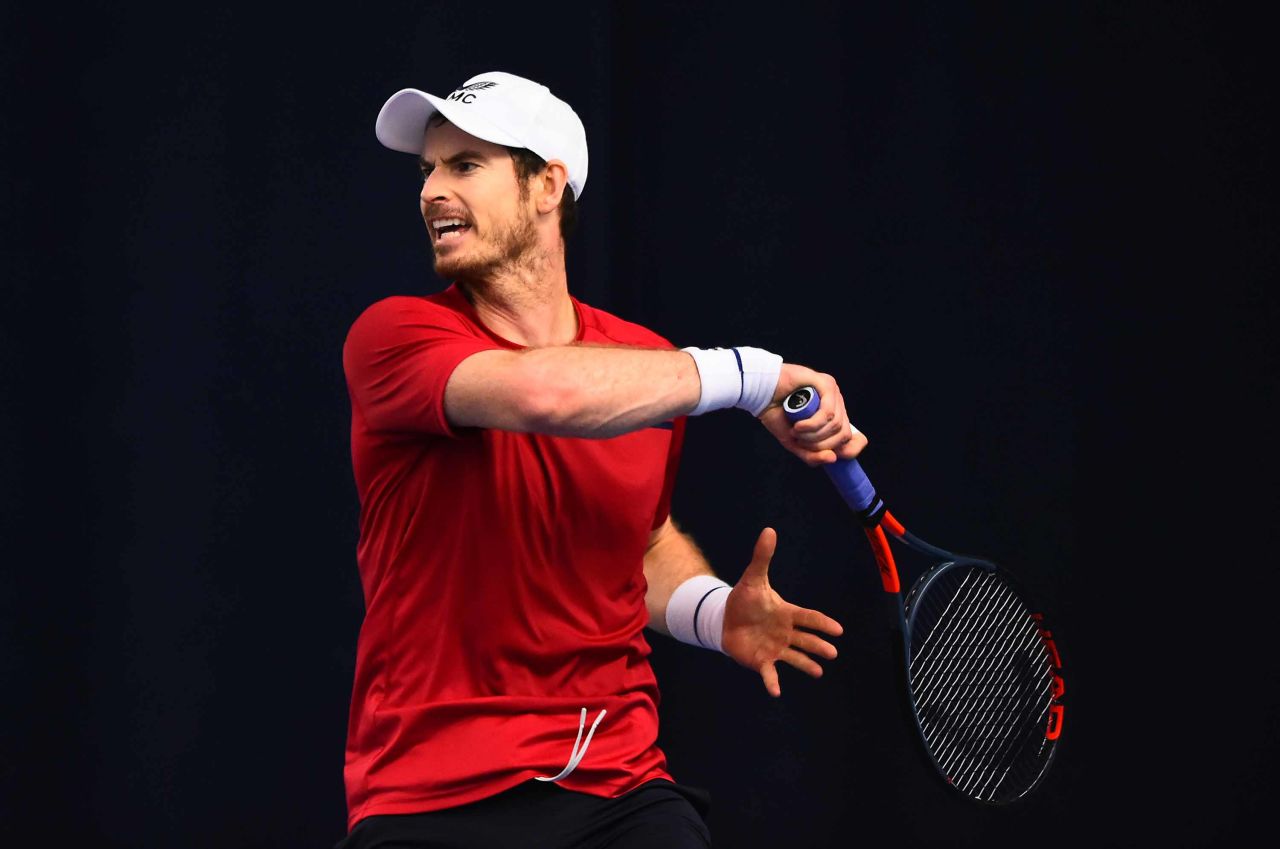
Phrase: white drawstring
x=576 y=756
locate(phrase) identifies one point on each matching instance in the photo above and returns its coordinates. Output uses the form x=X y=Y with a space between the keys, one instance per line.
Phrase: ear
x=550 y=186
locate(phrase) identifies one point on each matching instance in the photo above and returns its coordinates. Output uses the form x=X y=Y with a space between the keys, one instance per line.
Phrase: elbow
x=549 y=403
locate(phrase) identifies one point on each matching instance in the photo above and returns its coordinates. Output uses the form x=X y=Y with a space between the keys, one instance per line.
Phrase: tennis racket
x=982 y=671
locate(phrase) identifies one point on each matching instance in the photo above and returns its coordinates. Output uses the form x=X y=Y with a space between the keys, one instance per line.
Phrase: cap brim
x=402 y=121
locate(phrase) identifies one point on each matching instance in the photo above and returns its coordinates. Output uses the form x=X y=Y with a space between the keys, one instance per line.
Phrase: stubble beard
x=509 y=250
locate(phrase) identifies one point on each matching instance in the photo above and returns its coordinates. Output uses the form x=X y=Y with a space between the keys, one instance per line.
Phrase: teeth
x=446 y=222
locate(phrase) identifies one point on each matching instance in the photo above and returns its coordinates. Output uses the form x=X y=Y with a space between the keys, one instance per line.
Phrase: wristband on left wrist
x=695 y=611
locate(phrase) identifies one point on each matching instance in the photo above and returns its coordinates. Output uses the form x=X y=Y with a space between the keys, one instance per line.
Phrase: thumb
x=758 y=570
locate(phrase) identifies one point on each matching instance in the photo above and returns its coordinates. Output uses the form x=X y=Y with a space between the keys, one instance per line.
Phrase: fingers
x=776 y=423
x=827 y=419
x=803 y=644
x=828 y=434
x=817 y=621
x=766 y=544
x=782 y=432
x=757 y=570
x=853 y=447
x=769 y=673
x=811 y=644
x=797 y=659
x=801 y=661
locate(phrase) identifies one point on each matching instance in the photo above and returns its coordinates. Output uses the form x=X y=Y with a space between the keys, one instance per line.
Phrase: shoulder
x=401 y=313
x=398 y=307
x=400 y=325
x=620 y=330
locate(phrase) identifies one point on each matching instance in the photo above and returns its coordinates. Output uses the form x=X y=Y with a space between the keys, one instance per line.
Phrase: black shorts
x=541 y=815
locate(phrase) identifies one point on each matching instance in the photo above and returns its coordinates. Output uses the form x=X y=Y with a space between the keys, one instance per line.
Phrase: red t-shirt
x=502 y=574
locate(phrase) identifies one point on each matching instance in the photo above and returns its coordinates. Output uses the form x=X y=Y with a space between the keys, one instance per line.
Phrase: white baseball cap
x=497 y=107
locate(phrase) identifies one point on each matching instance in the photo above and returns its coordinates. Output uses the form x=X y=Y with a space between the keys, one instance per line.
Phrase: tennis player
x=514 y=452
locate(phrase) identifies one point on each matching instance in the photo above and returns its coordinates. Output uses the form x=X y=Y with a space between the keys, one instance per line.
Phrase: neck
x=526 y=302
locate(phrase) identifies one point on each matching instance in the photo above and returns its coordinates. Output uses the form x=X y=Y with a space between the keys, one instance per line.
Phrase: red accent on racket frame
x=884 y=559
x=1057 y=687
x=1055 y=723
x=1047 y=637
x=895 y=527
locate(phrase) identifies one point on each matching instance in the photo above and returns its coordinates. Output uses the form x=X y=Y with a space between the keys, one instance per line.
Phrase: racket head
x=984 y=680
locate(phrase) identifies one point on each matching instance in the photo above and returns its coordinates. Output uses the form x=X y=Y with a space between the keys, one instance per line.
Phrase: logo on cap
x=466 y=94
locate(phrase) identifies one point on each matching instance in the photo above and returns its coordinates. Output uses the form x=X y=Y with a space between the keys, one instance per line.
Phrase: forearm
x=575 y=390
x=671 y=559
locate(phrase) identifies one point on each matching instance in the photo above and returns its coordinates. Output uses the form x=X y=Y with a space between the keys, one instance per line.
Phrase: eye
x=466 y=167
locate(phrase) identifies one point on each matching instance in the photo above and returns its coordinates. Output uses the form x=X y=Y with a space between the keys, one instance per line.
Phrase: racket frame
x=907 y=610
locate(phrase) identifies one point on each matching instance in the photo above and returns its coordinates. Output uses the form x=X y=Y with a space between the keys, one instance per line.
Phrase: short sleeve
x=669 y=480
x=398 y=357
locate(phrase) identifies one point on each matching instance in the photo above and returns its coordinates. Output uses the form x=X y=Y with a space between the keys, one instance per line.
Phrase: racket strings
x=978 y=756
x=963 y=671
x=981 y=683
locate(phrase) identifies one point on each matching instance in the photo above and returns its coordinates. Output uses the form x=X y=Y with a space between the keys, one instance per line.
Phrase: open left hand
x=760 y=628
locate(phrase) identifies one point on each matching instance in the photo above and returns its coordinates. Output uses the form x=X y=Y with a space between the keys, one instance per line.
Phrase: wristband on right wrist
x=740 y=377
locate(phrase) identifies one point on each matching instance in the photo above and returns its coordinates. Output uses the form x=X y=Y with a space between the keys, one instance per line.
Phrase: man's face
x=478 y=220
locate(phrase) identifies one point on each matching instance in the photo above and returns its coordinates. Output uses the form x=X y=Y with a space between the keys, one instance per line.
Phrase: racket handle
x=847 y=475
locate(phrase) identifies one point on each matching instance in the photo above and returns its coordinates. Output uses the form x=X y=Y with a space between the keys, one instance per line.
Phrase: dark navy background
x=1035 y=244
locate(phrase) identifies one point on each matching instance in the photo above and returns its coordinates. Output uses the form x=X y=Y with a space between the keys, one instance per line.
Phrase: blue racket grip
x=851 y=482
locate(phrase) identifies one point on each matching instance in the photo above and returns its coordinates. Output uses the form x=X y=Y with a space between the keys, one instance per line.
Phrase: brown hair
x=527 y=164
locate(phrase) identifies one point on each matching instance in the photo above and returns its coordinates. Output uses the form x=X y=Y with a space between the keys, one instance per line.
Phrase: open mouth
x=445 y=230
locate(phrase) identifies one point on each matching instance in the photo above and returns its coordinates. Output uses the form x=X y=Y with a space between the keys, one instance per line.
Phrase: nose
x=433 y=187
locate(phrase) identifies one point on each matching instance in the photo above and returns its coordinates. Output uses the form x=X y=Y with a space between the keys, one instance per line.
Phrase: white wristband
x=735 y=377
x=695 y=612
x=760 y=370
